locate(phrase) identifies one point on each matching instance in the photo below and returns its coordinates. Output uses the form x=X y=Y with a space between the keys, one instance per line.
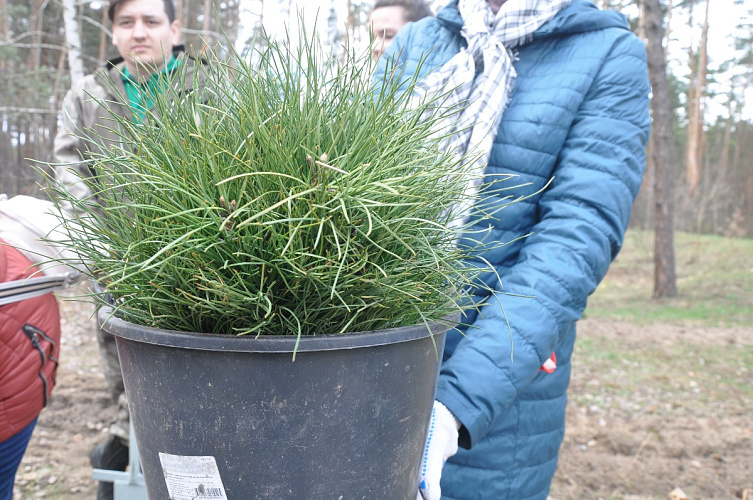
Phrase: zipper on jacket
x=48 y=339
x=34 y=335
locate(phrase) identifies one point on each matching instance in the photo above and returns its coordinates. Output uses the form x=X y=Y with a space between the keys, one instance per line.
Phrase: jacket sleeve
x=70 y=147
x=581 y=221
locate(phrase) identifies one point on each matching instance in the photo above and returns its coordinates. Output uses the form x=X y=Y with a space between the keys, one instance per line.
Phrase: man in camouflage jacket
x=146 y=34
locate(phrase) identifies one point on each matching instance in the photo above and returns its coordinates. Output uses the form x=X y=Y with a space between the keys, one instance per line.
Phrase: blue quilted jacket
x=578 y=117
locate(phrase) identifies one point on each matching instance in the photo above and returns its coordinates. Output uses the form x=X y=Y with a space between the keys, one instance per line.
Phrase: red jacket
x=29 y=348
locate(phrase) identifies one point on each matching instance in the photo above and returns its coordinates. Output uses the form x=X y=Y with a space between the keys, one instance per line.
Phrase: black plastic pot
x=346 y=420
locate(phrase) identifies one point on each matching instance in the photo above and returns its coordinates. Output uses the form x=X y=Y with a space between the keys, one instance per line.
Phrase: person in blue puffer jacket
x=558 y=95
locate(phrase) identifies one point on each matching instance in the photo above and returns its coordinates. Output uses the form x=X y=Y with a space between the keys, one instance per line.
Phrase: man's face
x=144 y=36
x=385 y=23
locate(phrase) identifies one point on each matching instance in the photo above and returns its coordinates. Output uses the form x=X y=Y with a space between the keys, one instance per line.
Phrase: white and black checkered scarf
x=490 y=40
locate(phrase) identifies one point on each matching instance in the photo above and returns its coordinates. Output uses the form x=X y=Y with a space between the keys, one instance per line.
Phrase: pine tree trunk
x=727 y=141
x=4 y=28
x=665 y=280
x=350 y=24
x=102 y=53
x=695 y=112
x=36 y=18
x=206 y=24
x=57 y=91
x=184 y=7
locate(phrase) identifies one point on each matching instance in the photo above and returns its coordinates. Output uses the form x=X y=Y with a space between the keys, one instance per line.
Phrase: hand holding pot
x=441 y=444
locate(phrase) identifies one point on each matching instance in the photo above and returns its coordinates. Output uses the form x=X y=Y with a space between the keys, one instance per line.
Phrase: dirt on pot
x=645 y=418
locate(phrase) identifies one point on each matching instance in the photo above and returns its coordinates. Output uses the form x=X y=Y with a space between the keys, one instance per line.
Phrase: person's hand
x=441 y=444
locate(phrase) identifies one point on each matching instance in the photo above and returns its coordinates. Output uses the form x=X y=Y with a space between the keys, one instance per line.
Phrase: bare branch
x=26 y=34
x=202 y=33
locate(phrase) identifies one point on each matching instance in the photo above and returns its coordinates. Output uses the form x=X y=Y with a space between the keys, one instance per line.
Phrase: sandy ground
x=641 y=454
x=605 y=455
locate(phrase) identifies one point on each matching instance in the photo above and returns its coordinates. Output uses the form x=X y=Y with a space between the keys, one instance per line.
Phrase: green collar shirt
x=141 y=94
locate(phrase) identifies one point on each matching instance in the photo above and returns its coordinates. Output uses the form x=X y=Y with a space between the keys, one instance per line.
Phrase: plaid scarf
x=484 y=97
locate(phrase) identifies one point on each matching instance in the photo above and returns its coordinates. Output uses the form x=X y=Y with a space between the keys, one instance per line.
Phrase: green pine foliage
x=291 y=197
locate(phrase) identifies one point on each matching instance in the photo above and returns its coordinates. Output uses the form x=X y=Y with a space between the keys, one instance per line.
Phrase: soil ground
x=623 y=441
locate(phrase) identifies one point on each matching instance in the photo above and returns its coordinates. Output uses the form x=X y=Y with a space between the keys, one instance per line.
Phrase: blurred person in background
x=388 y=16
x=146 y=34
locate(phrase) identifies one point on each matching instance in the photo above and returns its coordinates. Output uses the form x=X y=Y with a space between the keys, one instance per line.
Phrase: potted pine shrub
x=281 y=259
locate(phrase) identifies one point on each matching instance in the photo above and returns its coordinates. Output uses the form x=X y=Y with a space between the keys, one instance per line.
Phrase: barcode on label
x=208 y=492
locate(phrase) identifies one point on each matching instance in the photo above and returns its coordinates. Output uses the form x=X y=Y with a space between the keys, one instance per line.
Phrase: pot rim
x=269 y=343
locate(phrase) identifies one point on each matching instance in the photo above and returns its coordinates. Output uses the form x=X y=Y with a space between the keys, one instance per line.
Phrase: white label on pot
x=192 y=478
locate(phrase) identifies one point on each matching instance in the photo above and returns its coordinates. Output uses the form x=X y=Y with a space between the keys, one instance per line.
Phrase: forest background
x=699 y=176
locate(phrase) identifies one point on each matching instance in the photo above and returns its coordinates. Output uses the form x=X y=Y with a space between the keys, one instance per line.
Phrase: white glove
x=441 y=444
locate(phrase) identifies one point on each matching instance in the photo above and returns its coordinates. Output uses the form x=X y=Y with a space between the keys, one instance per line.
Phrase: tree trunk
x=695 y=111
x=4 y=24
x=206 y=25
x=232 y=22
x=37 y=21
x=727 y=140
x=257 y=43
x=73 y=40
x=184 y=8
x=350 y=25
x=57 y=92
x=102 y=52
x=4 y=27
x=665 y=280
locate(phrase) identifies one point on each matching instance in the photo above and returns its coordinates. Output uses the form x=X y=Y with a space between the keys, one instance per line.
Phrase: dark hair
x=414 y=9
x=169 y=9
